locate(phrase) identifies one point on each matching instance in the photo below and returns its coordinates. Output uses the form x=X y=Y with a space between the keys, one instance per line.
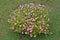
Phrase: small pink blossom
x=23 y=25
x=27 y=29
x=39 y=5
x=22 y=32
x=42 y=21
x=21 y=7
x=30 y=29
x=40 y=27
x=33 y=20
x=41 y=16
x=30 y=35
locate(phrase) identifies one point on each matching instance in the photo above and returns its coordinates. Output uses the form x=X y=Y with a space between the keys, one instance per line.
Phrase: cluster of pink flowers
x=30 y=29
x=30 y=19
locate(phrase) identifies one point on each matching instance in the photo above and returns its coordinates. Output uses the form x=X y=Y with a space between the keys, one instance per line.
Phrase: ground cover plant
x=31 y=19
x=7 y=6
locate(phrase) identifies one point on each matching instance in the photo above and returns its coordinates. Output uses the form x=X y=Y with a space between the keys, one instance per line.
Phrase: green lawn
x=6 y=7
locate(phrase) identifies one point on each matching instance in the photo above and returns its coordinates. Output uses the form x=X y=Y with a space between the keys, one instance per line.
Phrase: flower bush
x=31 y=19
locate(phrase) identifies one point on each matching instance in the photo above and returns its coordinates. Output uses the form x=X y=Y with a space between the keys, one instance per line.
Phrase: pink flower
x=21 y=7
x=39 y=5
x=27 y=29
x=41 y=16
x=42 y=21
x=40 y=27
x=30 y=35
x=23 y=25
x=22 y=32
x=30 y=29
x=32 y=19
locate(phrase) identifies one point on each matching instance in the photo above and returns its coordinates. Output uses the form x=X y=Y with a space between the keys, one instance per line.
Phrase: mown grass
x=6 y=7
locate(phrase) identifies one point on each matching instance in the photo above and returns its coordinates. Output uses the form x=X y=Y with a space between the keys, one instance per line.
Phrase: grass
x=6 y=6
